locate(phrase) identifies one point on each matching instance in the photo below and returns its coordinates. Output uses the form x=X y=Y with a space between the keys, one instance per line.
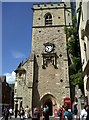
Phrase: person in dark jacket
x=87 y=109
x=6 y=113
x=46 y=113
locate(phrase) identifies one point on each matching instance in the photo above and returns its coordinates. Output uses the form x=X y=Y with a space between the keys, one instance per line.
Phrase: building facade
x=83 y=15
x=5 y=97
x=43 y=79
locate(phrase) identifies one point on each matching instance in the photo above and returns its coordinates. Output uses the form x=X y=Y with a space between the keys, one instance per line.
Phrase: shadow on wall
x=35 y=95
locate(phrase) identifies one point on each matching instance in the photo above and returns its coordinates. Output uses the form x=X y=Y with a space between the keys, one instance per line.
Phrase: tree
x=73 y=48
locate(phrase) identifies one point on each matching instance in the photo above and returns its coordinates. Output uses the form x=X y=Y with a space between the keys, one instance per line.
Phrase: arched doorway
x=50 y=101
x=49 y=104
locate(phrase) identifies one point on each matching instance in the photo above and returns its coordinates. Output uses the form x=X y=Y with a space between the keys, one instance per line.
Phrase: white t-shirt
x=10 y=111
x=83 y=114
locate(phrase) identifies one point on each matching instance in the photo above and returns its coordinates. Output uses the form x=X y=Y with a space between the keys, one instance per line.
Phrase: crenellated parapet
x=48 y=6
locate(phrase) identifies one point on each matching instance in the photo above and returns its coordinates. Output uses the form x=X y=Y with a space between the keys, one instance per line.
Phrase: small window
x=51 y=4
x=48 y=19
x=15 y=90
x=20 y=75
x=58 y=17
x=85 y=49
x=84 y=46
x=68 y=14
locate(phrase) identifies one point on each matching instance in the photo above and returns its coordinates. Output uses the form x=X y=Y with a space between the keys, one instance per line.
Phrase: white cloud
x=10 y=77
x=17 y=54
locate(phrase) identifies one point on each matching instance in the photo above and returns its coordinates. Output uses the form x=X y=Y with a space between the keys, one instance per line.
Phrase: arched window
x=48 y=19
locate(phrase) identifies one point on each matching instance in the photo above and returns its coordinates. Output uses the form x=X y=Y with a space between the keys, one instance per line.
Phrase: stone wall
x=49 y=79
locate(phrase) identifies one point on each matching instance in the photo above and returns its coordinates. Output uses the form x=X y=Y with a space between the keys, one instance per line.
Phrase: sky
x=17 y=18
x=16 y=35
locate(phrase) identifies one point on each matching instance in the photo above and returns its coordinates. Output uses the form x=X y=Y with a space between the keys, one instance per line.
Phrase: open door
x=49 y=104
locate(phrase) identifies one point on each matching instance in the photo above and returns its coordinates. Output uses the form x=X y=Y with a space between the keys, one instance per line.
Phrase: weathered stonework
x=50 y=85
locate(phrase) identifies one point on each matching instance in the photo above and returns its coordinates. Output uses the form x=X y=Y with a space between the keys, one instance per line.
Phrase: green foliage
x=74 y=19
x=70 y=31
x=76 y=79
x=75 y=65
x=74 y=54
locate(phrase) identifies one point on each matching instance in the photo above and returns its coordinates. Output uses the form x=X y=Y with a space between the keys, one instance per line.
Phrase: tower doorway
x=50 y=101
x=49 y=104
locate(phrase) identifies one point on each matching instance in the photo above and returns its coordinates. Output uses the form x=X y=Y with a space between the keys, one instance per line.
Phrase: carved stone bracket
x=49 y=58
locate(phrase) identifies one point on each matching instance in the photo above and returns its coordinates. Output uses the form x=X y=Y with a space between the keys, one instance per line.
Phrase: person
x=21 y=113
x=36 y=114
x=83 y=114
x=60 y=113
x=46 y=112
x=16 y=111
x=27 y=112
x=75 y=110
x=87 y=109
x=10 y=112
x=41 y=110
x=63 y=110
x=6 y=113
x=67 y=114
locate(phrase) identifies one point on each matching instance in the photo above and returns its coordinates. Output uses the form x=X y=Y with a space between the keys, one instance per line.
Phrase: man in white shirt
x=10 y=112
x=83 y=114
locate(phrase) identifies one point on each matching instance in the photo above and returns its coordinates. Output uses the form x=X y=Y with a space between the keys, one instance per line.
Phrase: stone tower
x=43 y=79
x=51 y=79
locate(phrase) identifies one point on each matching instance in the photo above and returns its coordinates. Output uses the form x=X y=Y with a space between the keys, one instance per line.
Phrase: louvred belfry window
x=48 y=19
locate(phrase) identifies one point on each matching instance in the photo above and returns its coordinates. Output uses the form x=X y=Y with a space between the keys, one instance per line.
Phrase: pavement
x=13 y=118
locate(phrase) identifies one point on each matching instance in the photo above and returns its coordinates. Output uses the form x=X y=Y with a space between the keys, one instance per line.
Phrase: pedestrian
x=60 y=113
x=67 y=114
x=36 y=114
x=41 y=111
x=27 y=112
x=75 y=110
x=46 y=112
x=16 y=112
x=6 y=113
x=87 y=109
x=21 y=113
x=63 y=110
x=83 y=114
x=10 y=112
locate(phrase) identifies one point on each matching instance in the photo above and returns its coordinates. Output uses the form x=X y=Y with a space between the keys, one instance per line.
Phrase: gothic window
x=48 y=19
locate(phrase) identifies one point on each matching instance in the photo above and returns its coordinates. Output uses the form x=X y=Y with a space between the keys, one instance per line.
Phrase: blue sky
x=17 y=20
x=16 y=34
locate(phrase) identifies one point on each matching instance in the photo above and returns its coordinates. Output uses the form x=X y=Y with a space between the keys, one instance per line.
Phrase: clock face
x=48 y=48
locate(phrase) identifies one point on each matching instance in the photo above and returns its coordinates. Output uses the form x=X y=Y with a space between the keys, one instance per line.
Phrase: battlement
x=48 y=5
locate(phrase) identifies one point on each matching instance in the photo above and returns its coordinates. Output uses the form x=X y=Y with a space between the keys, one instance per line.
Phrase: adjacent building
x=83 y=24
x=5 y=96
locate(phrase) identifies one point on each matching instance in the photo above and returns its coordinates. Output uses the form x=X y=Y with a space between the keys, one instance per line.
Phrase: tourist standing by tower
x=21 y=113
x=27 y=112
